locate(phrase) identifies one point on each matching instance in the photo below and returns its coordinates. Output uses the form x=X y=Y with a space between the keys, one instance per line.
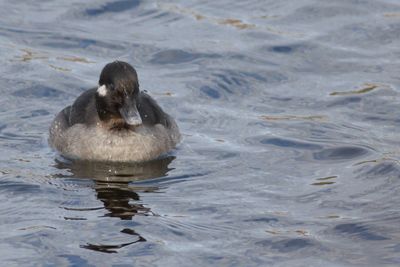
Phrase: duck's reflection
x=120 y=201
x=113 y=183
x=120 y=197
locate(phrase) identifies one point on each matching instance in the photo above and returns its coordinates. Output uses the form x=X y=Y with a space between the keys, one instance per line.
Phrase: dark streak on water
x=117 y=6
x=276 y=168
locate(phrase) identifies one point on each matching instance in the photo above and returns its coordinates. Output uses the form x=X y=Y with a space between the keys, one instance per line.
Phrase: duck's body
x=114 y=122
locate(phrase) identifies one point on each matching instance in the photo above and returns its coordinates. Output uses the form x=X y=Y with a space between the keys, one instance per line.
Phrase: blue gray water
x=291 y=123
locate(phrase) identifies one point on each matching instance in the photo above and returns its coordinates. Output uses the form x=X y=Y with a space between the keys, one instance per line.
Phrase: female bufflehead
x=114 y=122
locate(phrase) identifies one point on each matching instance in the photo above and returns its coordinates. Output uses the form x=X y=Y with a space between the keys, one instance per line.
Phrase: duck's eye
x=117 y=99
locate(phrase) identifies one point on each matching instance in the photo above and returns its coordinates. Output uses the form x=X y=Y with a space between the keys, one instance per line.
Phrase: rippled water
x=290 y=116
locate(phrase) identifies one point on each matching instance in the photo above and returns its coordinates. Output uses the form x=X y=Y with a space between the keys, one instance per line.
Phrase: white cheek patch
x=102 y=90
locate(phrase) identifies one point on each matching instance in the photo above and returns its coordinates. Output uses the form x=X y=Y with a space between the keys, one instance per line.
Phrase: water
x=290 y=117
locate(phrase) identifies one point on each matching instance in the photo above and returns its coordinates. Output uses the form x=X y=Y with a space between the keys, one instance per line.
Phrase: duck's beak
x=130 y=113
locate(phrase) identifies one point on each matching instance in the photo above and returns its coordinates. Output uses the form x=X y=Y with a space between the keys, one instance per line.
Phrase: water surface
x=290 y=117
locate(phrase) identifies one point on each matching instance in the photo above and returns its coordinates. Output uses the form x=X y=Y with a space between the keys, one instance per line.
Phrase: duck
x=115 y=122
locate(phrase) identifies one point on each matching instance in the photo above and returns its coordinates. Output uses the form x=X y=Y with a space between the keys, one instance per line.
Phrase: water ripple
x=340 y=153
x=113 y=7
x=359 y=231
x=290 y=117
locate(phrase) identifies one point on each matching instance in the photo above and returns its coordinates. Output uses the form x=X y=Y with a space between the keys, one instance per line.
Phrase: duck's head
x=117 y=94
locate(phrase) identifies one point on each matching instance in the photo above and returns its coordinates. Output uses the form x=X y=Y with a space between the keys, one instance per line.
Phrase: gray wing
x=83 y=110
x=151 y=113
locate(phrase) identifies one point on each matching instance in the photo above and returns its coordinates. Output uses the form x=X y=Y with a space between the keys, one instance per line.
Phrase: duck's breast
x=98 y=143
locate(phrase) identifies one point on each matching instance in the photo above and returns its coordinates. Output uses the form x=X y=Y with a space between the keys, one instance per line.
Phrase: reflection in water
x=113 y=188
x=112 y=248
x=112 y=182
x=116 y=200
x=115 y=172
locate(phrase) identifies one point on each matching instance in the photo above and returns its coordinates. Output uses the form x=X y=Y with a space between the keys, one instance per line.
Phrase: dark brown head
x=117 y=94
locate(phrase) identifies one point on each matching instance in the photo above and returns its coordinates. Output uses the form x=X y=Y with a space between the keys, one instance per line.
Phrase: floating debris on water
x=75 y=59
x=233 y=22
x=325 y=180
x=376 y=161
x=392 y=15
x=237 y=23
x=294 y=117
x=323 y=183
x=367 y=87
x=29 y=55
x=59 y=68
